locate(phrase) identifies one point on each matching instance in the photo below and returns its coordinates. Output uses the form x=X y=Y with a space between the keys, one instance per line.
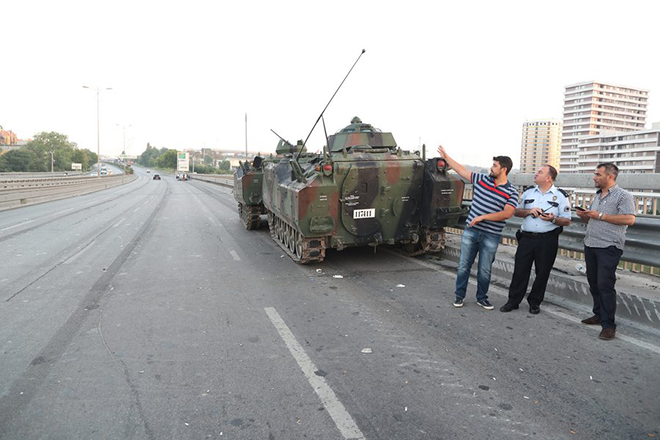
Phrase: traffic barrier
x=15 y=193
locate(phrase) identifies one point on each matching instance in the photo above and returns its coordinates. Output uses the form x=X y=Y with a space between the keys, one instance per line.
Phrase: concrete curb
x=638 y=300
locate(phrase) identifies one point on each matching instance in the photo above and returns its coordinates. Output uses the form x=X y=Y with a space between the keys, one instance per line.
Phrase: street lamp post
x=98 y=129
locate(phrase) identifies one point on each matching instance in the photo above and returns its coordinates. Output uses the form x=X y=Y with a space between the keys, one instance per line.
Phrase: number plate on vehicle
x=364 y=213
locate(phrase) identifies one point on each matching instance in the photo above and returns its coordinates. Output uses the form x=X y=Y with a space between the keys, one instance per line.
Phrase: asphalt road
x=148 y=312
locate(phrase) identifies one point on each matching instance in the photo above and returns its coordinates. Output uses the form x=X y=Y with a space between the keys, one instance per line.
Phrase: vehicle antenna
x=326 y=106
x=325 y=131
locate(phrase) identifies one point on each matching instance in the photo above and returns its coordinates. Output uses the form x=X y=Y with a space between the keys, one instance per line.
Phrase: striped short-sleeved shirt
x=601 y=234
x=489 y=198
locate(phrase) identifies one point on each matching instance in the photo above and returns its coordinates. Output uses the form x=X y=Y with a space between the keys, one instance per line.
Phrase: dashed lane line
x=341 y=417
x=234 y=255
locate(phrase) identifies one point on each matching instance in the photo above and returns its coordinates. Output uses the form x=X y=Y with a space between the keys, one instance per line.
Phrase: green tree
x=17 y=161
x=224 y=166
x=167 y=159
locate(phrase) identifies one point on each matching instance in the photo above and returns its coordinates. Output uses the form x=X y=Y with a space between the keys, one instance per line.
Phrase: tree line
x=167 y=158
x=35 y=156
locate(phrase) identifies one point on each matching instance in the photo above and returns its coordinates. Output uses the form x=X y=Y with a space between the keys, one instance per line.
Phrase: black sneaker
x=485 y=304
x=458 y=302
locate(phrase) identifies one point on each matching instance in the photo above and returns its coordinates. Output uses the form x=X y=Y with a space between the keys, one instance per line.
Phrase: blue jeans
x=485 y=244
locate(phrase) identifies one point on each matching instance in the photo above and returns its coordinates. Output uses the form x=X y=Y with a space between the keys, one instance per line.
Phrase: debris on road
x=400 y=285
x=319 y=270
x=367 y=350
x=337 y=276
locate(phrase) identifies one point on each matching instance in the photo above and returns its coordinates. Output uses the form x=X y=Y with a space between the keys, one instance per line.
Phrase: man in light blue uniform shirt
x=545 y=210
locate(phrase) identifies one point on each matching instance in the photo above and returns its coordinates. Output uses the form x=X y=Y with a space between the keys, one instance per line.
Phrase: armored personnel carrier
x=364 y=190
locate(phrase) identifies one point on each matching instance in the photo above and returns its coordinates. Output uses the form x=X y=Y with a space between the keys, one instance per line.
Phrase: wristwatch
x=600 y=216
x=554 y=220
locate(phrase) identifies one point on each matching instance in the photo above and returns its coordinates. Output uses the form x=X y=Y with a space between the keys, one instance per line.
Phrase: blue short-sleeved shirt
x=534 y=198
x=489 y=198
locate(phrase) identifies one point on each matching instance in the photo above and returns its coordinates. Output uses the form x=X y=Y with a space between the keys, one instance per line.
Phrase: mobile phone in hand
x=579 y=208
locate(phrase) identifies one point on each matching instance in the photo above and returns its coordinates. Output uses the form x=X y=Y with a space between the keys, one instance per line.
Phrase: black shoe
x=534 y=310
x=508 y=307
x=594 y=320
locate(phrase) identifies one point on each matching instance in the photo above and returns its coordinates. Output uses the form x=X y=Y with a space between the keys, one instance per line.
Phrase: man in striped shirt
x=494 y=201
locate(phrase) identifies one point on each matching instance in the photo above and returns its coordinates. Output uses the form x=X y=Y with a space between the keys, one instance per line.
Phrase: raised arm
x=460 y=169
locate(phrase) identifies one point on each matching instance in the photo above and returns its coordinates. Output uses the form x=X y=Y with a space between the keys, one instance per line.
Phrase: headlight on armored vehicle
x=441 y=165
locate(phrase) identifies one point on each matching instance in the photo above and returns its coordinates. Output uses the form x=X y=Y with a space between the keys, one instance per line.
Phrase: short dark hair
x=552 y=171
x=610 y=168
x=504 y=161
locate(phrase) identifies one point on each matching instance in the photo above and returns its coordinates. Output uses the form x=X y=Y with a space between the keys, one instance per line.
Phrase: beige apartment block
x=591 y=108
x=632 y=152
x=541 y=144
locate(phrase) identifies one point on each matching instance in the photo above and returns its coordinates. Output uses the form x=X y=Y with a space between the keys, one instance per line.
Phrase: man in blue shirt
x=493 y=202
x=545 y=210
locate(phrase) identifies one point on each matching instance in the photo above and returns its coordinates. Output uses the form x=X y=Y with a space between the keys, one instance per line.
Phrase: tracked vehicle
x=364 y=190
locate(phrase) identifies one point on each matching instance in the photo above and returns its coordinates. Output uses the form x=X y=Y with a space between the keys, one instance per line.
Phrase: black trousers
x=540 y=250
x=601 y=274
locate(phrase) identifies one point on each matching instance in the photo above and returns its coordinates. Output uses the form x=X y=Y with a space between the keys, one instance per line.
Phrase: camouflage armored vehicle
x=247 y=192
x=363 y=190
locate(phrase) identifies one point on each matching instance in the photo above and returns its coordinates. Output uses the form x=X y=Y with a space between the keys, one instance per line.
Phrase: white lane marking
x=235 y=255
x=30 y=221
x=499 y=291
x=137 y=209
x=341 y=417
x=16 y=225
x=79 y=253
x=119 y=222
x=62 y=212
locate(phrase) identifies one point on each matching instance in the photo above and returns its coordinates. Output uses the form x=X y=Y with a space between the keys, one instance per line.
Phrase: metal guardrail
x=219 y=179
x=38 y=175
x=642 y=238
x=22 y=192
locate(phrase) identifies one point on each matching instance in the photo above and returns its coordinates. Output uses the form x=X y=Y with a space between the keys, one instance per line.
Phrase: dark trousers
x=540 y=250
x=601 y=274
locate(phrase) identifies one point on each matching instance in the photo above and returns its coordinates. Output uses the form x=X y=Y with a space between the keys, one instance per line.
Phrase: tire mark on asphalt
x=49 y=220
x=66 y=260
x=25 y=388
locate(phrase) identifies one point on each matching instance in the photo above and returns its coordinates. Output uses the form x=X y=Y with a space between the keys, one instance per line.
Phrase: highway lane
x=151 y=313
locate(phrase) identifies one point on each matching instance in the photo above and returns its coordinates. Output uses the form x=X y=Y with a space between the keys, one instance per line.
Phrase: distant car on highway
x=148 y=171
x=156 y=176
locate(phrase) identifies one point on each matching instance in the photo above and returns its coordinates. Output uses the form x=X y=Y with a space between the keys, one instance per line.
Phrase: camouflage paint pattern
x=248 y=185
x=376 y=193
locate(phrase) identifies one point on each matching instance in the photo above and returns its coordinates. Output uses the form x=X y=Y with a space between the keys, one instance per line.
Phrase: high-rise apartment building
x=592 y=107
x=541 y=144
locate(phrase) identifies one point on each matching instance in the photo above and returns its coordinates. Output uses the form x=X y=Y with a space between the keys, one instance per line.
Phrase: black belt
x=537 y=233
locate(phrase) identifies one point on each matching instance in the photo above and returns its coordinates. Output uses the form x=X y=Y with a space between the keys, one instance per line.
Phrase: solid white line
x=341 y=417
x=235 y=255
x=499 y=291
x=79 y=253
x=16 y=225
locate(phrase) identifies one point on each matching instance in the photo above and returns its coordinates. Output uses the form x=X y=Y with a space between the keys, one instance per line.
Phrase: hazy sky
x=464 y=74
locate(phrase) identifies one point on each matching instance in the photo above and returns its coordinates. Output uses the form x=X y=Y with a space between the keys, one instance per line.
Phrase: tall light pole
x=123 y=126
x=98 y=130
